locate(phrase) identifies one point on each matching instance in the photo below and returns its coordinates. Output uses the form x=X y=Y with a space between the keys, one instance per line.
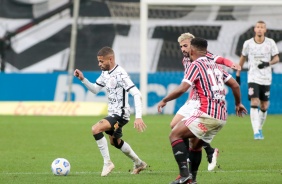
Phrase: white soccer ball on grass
x=60 y=167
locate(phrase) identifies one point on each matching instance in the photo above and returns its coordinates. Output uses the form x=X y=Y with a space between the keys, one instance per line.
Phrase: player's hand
x=139 y=125
x=263 y=64
x=238 y=79
x=241 y=110
x=78 y=74
x=161 y=104
x=236 y=66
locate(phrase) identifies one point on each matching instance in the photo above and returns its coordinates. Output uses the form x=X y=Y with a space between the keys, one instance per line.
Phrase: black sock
x=180 y=154
x=98 y=136
x=209 y=150
x=195 y=158
x=186 y=142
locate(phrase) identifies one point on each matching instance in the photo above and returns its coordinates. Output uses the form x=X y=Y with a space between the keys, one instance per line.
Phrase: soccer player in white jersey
x=262 y=53
x=196 y=155
x=118 y=84
x=202 y=123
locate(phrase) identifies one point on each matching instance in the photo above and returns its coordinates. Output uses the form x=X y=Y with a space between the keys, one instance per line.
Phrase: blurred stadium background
x=35 y=39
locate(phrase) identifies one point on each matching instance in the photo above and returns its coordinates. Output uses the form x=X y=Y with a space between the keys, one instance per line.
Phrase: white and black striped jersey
x=117 y=83
x=256 y=53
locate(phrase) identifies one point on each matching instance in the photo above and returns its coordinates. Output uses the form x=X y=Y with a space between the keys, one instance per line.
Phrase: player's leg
x=97 y=131
x=115 y=140
x=184 y=111
x=195 y=156
x=264 y=104
x=176 y=119
x=262 y=116
x=212 y=154
x=178 y=133
x=204 y=128
x=253 y=93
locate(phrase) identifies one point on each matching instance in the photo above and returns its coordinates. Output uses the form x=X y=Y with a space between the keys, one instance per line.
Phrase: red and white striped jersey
x=208 y=79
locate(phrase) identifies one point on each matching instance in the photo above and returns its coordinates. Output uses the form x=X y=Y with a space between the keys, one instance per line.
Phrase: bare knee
x=255 y=102
x=95 y=129
x=172 y=124
x=264 y=106
x=171 y=137
x=102 y=126
x=177 y=118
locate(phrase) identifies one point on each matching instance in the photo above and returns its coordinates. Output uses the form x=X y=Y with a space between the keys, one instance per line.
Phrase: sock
x=262 y=117
x=255 y=118
x=180 y=154
x=128 y=151
x=186 y=142
x=209 y=150
x=103 y=147
x=195 y=157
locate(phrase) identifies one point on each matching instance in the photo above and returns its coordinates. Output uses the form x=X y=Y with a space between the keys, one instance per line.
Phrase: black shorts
x=259 y=91
x=117 y=123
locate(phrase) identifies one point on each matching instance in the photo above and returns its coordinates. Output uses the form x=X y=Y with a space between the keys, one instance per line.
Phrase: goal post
x=144 y=9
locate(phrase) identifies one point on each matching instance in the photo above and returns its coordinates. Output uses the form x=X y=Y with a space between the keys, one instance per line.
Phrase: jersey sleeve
x=226 y=76
x=125 y=81
x=245 y=49
x=100 y=81
x=223 y=61
x=219 y=59
x=274 y=48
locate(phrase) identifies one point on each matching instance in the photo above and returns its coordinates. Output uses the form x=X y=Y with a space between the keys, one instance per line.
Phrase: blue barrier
x=54 y=87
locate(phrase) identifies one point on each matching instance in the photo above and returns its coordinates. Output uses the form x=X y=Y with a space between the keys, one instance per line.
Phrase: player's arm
x=138 y=123
x=93 y=87
x=227 y=62
x=240 y=109
x=275 y=56
x=182 y=88
x=241 y=63
x=274 y=60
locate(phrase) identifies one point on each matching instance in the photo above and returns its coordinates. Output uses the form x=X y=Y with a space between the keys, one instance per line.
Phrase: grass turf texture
x=30 y=144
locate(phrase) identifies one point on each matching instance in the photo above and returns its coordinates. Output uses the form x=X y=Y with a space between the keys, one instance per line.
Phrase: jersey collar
x=113 y=69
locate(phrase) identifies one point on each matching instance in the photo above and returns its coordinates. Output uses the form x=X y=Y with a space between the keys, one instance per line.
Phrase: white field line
x=148 y=171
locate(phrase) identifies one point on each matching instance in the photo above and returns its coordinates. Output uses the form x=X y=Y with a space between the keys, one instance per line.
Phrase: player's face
x=185 y=47
x=191 y=54
x=104 y=62
x=260 y=29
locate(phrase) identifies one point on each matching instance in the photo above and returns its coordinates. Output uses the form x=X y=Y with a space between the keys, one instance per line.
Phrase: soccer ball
x=60 y=167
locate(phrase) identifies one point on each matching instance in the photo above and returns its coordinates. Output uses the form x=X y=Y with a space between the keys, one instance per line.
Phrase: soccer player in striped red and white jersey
x=202 y=124
x=196 y=155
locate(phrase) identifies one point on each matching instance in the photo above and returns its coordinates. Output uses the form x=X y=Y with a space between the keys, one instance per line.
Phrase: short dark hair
x=260 y=22
x=105 y=51
x=199 y=43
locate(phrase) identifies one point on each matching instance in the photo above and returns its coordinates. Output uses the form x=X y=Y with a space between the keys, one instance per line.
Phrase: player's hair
x=199 y=43
x=260 y=22
x=185 y=36
x=105 y=51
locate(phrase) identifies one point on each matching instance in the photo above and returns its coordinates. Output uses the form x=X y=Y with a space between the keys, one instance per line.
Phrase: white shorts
x=186 y=109
x=202 y=125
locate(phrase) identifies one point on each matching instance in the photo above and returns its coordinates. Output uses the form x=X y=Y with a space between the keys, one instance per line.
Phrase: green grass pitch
x=28 y=145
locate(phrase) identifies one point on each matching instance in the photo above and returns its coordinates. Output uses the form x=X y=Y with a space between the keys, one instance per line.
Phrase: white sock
x=255 y=119
x=103 y=147
x=128 y=151
x=262 y=117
